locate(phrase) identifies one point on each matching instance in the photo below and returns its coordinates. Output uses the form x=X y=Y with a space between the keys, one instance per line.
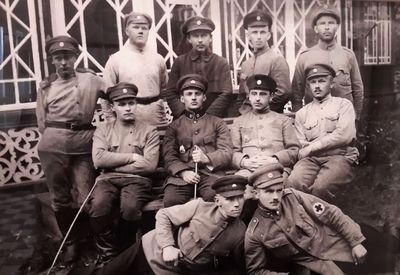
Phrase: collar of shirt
x=206 y=56
x=268 y=213
x=264 y=50
x=195 y=114
x=327 y=47
x=131 y=47
x=261 y=113
x=323 y=102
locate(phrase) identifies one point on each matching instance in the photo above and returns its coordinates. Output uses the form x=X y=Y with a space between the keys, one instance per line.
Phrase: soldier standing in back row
x=65 y=107
x=136 y=63
x=347 y=82
x=201 y=60
x=265 y=61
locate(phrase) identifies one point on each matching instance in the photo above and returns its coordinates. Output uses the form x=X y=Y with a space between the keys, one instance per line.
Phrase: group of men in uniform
x=277 y=163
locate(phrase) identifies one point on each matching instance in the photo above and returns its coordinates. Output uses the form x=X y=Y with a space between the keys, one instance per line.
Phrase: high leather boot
x=128 y=233
x=65 y=217
x=104 y=239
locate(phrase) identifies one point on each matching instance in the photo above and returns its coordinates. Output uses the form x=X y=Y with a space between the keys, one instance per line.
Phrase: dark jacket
x=208 y=132
x=211 y=66
x=305 y=230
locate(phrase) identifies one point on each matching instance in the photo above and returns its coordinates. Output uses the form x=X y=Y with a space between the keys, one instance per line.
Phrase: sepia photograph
x=188 y=137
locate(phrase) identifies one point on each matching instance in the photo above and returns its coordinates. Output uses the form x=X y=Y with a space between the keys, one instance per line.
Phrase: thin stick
x=70 y=228
x=195 y=185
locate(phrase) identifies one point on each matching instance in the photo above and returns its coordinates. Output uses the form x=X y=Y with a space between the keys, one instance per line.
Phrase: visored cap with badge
x=257 y=18
x=230 y=186
x=261 y=82
x=317 y=70
x=192 y=81
x=197 y=23
x=137 y=18
x=61 y=43
x=122 y=90
x=267 y=175
x=328 y=12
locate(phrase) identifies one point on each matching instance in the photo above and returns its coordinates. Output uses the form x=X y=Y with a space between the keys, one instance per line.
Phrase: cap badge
x=270 y=175
x=315 y=70
x=198 y=22
x=234 y=185
x=138 y=17
x=192 y=82
x=259 y=82
x=182 y=149
x=124 y=90
x=258 y=18
x=61 y=44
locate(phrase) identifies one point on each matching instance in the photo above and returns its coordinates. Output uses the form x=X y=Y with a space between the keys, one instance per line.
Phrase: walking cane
x=195 y=170
x=195 y=185
x=70 y=228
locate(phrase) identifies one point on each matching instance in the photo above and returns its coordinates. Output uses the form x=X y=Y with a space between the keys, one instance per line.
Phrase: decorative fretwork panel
x=19 y=159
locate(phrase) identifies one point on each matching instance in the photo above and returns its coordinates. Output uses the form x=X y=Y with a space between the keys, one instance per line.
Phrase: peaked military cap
x=122 y=90
x=267 y=175
x=197 y=23
x=319 y=70
x=230 y=186
x=326 y=11
x=138 y=18
x=261 y=82
x=61 y=43
x=194 y=81
x=257 y=18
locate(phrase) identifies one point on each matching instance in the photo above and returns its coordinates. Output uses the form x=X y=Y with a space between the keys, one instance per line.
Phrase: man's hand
x=171 y=255
x=359 y=252
x=190 y=177
x=304 y=152
x=199 y=156
x=257 y=161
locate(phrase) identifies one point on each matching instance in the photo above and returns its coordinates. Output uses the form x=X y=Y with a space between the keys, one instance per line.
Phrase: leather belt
x=69 y=125
x=147 y=100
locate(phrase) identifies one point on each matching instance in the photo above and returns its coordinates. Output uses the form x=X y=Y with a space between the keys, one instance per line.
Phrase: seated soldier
x=195 y=147
x=325 y=128
x=125 y=150
x=194 y=238
x=298 y=229
x=262 y=136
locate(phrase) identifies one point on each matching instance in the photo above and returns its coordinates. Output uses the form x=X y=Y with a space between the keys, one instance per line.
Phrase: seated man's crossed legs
x=321 y=176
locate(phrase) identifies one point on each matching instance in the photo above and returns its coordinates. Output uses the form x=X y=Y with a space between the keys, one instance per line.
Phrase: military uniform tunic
x=65 y=154
x=125 y=155
x=270 y=63
x=211 y=135
x=212 y=67
x=327 y=127
x=347 y=83
x=306 y=230
x=207 y=240
x=269 y=134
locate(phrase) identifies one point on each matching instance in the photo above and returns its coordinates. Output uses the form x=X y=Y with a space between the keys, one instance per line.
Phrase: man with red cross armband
x=299 y=231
